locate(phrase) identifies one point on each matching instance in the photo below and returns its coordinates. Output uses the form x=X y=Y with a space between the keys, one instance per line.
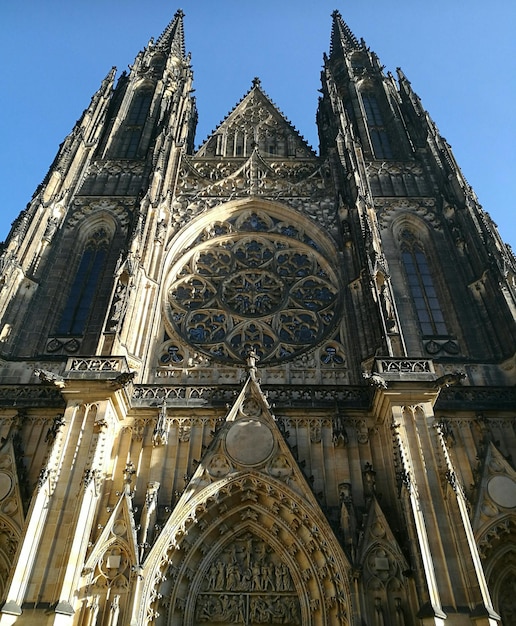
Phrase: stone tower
x=252 y=384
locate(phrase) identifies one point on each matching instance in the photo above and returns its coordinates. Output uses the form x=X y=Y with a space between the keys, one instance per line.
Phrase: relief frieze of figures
x=248 y=584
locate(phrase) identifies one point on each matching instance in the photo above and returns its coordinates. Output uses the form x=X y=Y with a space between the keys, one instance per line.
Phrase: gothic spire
x=341 y=35
x=173 y=39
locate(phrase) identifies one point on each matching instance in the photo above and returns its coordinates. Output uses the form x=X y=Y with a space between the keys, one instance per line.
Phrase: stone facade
x=250 y=384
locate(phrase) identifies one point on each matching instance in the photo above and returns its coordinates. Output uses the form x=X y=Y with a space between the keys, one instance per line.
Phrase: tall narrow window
x=422 y=289
x=377 y=131
x=126 y=146
x=84 y=286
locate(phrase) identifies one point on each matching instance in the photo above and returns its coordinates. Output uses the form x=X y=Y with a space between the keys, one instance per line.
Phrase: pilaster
x=405 y=396
x=37 y=515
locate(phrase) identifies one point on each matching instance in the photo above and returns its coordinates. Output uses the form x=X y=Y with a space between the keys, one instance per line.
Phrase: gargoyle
x=375 y=380
x=453 y=378
x=50 y=378
x=122 y=380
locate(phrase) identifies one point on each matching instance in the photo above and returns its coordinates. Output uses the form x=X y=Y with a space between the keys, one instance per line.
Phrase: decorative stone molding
x=30 y=396
x=82 y=210
x=404 y=366
x=97 y=364
x=280 y=395
x=482 y=399
x=63 y=345
x=442 y=347
x=264 y=565
x=389 y=209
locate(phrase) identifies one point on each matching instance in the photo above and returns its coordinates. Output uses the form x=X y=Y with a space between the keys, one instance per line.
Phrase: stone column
x=410 y=467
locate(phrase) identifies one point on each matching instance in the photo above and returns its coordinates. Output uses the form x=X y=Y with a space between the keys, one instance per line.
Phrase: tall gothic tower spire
x=157 y=303
x=342 y=39
x=172 y=40
x=400 y=173
x=118 y=161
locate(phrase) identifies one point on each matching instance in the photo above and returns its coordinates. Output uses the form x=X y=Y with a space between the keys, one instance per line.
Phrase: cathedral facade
x=251 y=384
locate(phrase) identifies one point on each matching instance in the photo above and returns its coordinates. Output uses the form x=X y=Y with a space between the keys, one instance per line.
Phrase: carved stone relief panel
x=247 y=583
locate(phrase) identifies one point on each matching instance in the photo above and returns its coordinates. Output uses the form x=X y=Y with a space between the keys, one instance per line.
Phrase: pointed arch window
x=132 y=128
x=422 y=288
x=377 y=131
x=85 y=284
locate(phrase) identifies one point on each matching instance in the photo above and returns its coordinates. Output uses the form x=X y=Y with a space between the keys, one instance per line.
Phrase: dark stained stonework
x=253 y=384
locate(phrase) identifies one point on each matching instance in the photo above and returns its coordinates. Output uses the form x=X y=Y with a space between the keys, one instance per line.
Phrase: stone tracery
x=247 y=288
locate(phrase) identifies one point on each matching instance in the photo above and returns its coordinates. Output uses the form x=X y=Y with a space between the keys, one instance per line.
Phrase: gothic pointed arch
x=419 y=277
x=502 y=580
x=89 y=250
x=229 y=530
x=75 y=314
x=247 y=537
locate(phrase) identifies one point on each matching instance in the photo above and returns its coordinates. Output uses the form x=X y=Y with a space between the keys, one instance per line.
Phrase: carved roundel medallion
x=254 y=284
x=502 y=490
x=6 y=483
x=249 y=442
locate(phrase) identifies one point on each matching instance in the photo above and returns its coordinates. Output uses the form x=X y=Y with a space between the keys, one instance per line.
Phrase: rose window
x=253 y=293
x=266 y=291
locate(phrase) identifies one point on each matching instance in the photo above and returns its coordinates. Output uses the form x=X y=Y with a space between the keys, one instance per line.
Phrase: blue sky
x=460 y=57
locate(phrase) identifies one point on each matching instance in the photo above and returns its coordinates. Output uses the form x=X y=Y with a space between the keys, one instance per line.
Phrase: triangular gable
x=119 y=528
x=255 y=122
x=496 y=492
x=383 y=568
x=376 y=537
x=249 y=440
x=247 y=530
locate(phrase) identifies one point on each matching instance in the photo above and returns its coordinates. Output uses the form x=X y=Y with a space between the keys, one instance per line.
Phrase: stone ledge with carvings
x=30 y=396
x=476 y=398
x=356 y=397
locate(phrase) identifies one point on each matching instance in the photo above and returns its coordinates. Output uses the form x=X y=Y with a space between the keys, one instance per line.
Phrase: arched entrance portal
x=249 y=550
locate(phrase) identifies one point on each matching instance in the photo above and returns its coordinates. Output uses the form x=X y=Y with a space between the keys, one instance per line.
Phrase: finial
x=179 y=13
x=256 y=82
x=336 y=13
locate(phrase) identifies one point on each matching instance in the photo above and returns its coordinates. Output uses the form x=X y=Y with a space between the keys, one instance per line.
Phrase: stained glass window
x=377 y=131
x=77 y=309
x=422 y=290
x=260 y=287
